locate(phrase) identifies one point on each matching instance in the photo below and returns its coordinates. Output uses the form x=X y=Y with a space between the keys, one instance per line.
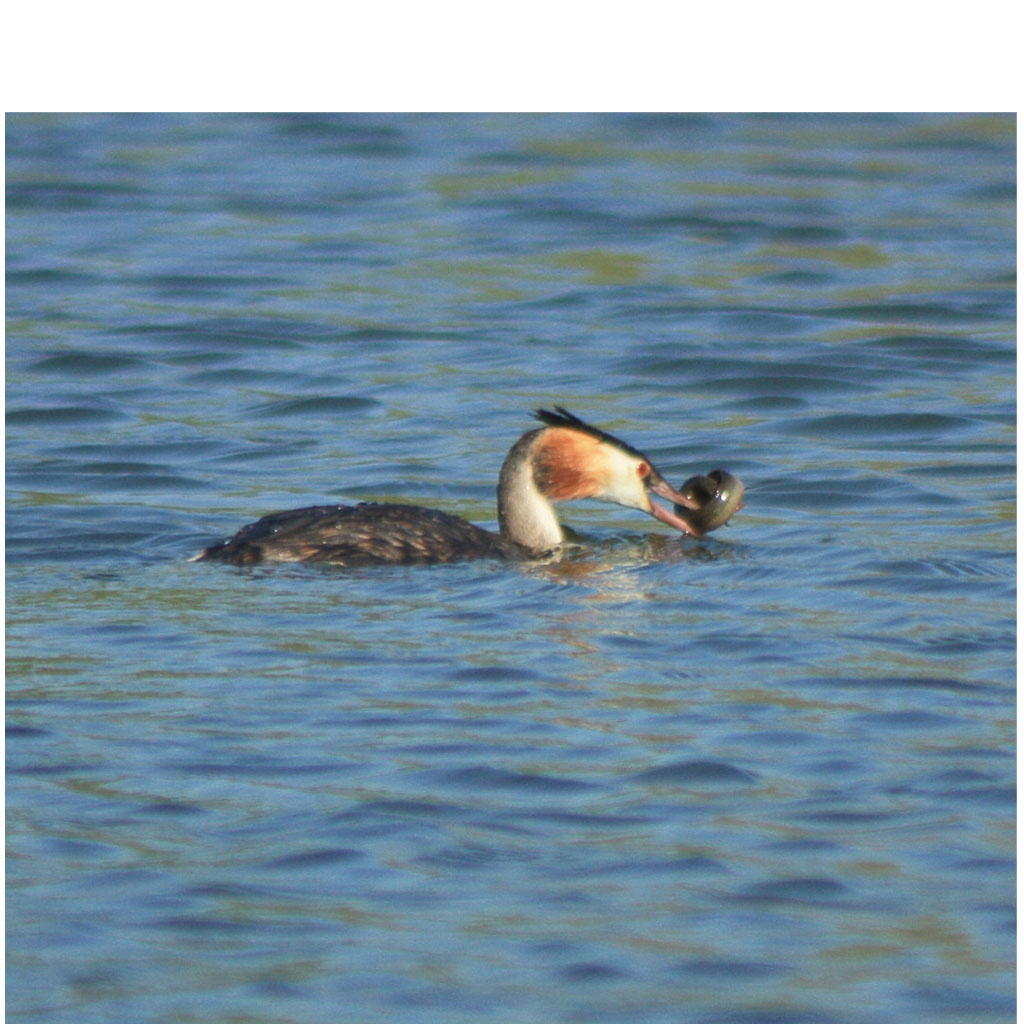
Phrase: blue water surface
x=762 y=778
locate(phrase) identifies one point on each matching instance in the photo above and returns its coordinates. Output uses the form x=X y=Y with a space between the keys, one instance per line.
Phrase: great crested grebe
x=562 y=460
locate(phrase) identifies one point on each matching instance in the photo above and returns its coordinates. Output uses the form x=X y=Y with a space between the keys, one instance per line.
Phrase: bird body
x=354 y=535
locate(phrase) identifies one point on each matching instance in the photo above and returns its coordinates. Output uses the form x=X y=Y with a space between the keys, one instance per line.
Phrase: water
x=764 y=777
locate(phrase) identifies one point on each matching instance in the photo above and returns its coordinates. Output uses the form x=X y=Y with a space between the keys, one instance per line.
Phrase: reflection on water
x=614 y=557
x=763 y=776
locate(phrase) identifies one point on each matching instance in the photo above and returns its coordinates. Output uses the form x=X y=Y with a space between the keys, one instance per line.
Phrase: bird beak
x=659 y=486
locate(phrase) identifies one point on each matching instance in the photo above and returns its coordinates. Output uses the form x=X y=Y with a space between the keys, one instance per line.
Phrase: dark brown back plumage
x=354 y=535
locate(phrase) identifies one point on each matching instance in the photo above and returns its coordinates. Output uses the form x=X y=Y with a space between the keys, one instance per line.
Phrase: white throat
x=525 y=515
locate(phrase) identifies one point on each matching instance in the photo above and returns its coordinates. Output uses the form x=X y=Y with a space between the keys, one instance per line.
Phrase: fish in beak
x=658 y=485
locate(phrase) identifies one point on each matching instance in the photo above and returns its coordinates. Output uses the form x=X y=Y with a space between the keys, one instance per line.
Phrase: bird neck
x=525 y=516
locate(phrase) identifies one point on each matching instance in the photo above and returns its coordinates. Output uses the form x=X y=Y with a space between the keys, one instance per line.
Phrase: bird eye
x=642 y=470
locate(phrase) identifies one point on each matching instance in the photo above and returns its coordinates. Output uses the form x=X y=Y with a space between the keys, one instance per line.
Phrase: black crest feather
x=563 y=418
